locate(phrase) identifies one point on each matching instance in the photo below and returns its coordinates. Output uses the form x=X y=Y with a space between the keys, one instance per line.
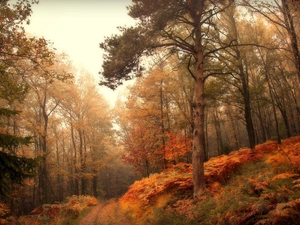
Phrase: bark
x=247 y=108
x=292 y=34
x=95 y=183
x=198 y=149
x=243 y=78
x=267 y=75
x=198 y=112
x=234 y=129
x=82 y=162
x=262 y=136
x=74 y=167
x=44 y=185
x=162 y=125
x=217 y=124
x=198 y=138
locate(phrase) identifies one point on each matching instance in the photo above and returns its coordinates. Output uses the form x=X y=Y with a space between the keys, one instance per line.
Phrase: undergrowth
x=74 y=220
x=243 y=188
x=252 y=196
x=163 y=218
x=69 y=212
x=112 y=214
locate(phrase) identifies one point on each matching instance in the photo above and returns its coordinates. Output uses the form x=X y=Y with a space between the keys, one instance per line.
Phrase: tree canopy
x=185 y=28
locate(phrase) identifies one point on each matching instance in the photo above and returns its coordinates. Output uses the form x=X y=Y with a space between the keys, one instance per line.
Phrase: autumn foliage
x=268 y=166
x=59 y=213
x=244 y=187
x=144 y=151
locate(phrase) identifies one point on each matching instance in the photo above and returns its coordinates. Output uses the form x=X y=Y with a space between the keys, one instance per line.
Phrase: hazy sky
x=78 y=26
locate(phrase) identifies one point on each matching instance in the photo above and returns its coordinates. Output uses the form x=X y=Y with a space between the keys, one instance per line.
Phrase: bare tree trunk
x=44 y=167
x=198 y=105
x=247 y=107
x=271 y=95
x=162 y=123
x=75 y=175
x=261 y=121
x=292 y=34
x=217 y=124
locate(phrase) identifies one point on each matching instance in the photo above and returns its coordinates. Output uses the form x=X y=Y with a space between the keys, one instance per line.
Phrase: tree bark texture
x=198 y=110
x=289 y=23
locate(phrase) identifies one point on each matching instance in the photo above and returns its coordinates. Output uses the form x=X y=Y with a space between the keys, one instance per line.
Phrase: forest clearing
x=205 y=131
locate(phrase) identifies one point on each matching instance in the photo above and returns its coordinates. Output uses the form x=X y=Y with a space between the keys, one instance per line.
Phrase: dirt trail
x=92 y=217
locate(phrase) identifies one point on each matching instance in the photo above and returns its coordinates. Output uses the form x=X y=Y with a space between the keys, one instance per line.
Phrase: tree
x=87 y=119
x=18 y=54
x=155 y=120
x=235 y=59
x=283 y=15
x=14 y=169
x=181 y=27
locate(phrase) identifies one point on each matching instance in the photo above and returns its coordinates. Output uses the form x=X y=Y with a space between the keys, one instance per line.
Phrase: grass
x=250 y=194
x=163 y=218
x=112 y=214
x=76 y=220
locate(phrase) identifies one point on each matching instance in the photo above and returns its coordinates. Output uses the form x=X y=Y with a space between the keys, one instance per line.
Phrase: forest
x=211 y=77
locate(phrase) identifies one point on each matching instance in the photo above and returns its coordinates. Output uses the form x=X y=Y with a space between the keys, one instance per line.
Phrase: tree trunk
x=261 y=121
x=285 y=120
x=234 y=129
x=198 y=105
x=82 y=162
x=247 y=108
x=162 y=124
x=244 y=79
x=198 y=138
x=217 y=123
x=271 y=96
x=95 y=183
x=44 y=167
x=75 y=175
x=292 y=34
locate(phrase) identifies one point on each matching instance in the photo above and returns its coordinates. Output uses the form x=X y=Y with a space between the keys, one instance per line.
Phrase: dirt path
x=91 y=218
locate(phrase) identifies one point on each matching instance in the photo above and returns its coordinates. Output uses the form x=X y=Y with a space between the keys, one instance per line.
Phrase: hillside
x=244 y=187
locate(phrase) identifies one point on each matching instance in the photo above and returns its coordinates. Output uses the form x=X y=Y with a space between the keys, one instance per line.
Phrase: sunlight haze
x=77 y=27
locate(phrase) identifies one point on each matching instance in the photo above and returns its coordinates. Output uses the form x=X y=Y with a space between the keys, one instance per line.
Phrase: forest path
x=92 y=217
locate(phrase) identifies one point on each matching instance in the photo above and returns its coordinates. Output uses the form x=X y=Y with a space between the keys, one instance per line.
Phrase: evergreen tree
x=14 y=169
x=16 y=56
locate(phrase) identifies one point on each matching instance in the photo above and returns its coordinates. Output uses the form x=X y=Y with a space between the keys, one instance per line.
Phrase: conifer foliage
x=14 y=169
x=18 y=54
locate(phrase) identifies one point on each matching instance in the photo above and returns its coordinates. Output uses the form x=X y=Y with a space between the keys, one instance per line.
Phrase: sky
x=76 y=27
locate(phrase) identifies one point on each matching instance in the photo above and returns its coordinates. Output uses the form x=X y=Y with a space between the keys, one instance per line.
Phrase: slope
x=244 y=187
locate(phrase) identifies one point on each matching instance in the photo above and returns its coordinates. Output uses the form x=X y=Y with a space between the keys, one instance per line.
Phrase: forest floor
x=243 y=188
x=107 y=213
x=92 y=217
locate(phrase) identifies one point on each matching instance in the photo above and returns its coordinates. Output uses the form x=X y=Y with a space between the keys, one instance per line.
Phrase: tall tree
x=18 y=54
x=87 y=117
x=235 y=60
x=14 y=168
x=282 y=14
x=174 y=26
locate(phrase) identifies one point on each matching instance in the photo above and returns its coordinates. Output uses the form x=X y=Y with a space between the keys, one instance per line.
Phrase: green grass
x=239 y=196
x=163 y=218
x=76 y=220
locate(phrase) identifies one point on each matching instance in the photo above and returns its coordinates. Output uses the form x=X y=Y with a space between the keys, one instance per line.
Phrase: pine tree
x=14 y=169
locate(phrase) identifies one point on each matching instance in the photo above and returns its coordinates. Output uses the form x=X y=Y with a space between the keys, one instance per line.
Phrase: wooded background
x=82 y=146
